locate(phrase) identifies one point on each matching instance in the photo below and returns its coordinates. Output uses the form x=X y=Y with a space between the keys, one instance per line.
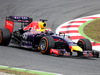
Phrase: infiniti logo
x=9 y=24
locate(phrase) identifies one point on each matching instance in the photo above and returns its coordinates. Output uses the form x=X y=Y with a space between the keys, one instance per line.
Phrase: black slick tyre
x=5 y=36
x=46 y=43
x=85 y=44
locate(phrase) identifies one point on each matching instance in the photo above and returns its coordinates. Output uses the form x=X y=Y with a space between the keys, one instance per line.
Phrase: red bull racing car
x=36 y=35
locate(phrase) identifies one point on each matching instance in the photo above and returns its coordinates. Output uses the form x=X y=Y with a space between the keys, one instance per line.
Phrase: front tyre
x=85 y=44
x=46 y=44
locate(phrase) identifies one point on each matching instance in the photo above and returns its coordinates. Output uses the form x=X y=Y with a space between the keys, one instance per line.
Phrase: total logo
x=25 y=36
x=9 y=24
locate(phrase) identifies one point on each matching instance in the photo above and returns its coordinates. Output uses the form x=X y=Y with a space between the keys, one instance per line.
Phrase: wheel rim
x=81 y=45
x=43 y=45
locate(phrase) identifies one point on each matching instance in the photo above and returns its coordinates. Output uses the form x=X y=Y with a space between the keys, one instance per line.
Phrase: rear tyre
x=5 y=36
x=46 y=44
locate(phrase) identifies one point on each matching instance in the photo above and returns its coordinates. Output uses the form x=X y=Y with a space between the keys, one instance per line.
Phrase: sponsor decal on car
x=9 y=25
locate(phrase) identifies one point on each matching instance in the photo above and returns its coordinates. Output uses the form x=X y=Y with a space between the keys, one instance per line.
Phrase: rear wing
x=22 y=19
x=9 y=23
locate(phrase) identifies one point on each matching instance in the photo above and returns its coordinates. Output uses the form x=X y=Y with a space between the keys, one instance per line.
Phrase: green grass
x=18 y=71
x=92 y=30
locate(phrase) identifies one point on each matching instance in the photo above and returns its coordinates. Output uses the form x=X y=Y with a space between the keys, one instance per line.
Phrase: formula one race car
x=35 y=35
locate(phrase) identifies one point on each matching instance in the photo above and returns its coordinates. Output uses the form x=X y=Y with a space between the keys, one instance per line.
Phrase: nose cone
x=76 y=48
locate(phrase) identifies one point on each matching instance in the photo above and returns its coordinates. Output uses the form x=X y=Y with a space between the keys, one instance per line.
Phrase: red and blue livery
x=36 y=35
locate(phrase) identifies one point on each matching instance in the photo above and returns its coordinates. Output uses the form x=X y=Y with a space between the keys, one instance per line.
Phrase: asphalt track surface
x=57 y=12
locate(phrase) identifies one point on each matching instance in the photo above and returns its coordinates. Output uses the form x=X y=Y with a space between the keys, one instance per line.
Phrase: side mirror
x=68 y=36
